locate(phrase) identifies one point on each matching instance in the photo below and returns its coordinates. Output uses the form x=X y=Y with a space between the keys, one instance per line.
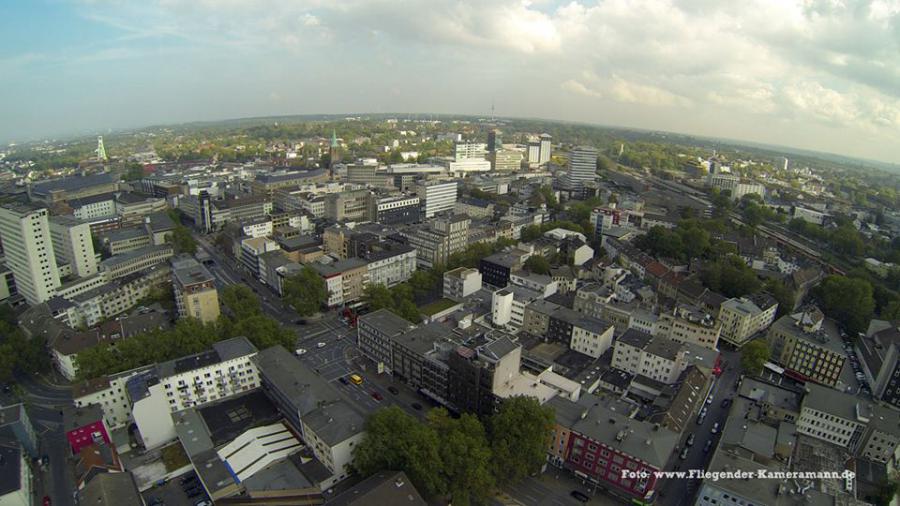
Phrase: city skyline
x=811 y=75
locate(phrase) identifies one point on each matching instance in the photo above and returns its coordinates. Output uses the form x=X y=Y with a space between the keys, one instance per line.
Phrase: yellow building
x=195 y=290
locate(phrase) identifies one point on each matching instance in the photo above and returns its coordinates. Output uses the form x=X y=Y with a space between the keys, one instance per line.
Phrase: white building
x=686 y=324
x=463 y=167
x=582 y=167
x=111 y=394
x=191 y=381
x=438 y=196
x=546 y=145
x=743 y=317
x=94 y=207
x=657 y=358
x=72 y=245
x=508 y=305
x=461 y=282
x=543 y=284
x=468 y=150
x=390 y=267
x=28 y=249
x=742 y=189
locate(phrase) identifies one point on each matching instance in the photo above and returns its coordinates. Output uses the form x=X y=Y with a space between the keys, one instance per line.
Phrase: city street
x=681 y=492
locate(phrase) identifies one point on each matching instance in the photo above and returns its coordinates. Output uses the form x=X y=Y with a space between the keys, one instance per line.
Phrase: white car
x=300 y=351
x=321 y=345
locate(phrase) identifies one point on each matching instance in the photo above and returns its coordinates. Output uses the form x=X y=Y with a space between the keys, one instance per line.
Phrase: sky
x=821 y=75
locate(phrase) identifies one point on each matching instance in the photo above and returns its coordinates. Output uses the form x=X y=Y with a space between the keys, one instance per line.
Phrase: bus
x=356 y=379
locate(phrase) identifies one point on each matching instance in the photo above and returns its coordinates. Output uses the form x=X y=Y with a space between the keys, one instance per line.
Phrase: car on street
x=344 y=380
x=707 y=446
x=690 y=440
x=46 y=500
x=416 y=406
x=155 y=501
x=393 y=390
x=300 y=351
x=684 y=453
x=715 y=428
x=356 y=379
x=300 y=321
x=188 y=478
x=581 y=496
x=377 y=396
x=321 y=344
x=203 y=503
x=726 y=402
x=700 y=418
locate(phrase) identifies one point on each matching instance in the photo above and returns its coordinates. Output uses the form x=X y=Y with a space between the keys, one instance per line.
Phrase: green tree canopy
x=396 y=440
x=730 y=276
x=306 y=291
x=847 y=300
x=783 y=294
x=183 y=241
x=519 y=433
x=754 y=355
x=465 y=455
x=537 y=264
x=241 y=301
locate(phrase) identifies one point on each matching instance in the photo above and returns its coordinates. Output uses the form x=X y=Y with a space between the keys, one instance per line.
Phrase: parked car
x=715 y=428
x=46 y=500
x=393 y=390
x=194 y=493
x=690 y=440
x=708 y=446
x=203 y=503
x=377 y=396
x=300 y=351
x=726 y=402
x=344 y=380
x=684 y=453
x=416 y=406
x=581 y=496
x=321 y=345
x=301 y=321
x=188 y=478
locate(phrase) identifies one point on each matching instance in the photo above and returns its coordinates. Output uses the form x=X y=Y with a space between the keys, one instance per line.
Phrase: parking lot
x=184 y=490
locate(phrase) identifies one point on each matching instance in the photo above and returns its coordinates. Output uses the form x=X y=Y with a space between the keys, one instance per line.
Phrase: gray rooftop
x=384 y=487
x=637 y=338
x=643 y=440
x=386 y=321
x=335 y=422
x=111 y=489
x=71 y=183
x=421 y=339
x=10 y=469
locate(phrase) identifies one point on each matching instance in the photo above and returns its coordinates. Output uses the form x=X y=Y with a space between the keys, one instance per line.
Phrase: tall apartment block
x=25 y=233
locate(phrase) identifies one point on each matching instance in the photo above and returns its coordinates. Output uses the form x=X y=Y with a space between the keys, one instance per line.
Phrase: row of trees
x=188 y=336
x=18 y=353
x=461 y=459
x=305 y=291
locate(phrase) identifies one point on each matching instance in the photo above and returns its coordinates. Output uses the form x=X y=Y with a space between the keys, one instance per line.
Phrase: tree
x=465 y=455
x=731 y=277
x=754 y=355
x=847 y=300
x=537 y=264
x=531 y=232
x=377 y=296
x=241 y=301
x=305 y=291
x=183 y=241
x=395 y=440
x=783 y=294
x=519 y=434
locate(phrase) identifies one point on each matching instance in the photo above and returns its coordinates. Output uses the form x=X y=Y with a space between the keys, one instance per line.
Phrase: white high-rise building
x=72 y=244
x=534 y=153
x=439 y=196
x=546 y=147
x=582 y=166
x=468 y=150
x=25 y=233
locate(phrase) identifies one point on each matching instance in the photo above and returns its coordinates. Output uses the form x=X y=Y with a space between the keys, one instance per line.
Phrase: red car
x=377 y=396
x=46 y=500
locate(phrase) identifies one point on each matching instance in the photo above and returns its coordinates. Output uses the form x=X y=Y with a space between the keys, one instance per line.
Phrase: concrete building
x=742 y=189
x=347 y=206
x=28 y=248
x=266 y=183
x=390 y=264
x=329 y=425
x=657 y=357
x=546 y=143
x=135 y=261
x=72 y=245
x=474 y=208
x=394 y=209
x=508 y=306
x=582 y=167
x=123 y=240
x=879 y=354
x=808 y=346
x=461 y=282
x=346 y=280
x=689 y=324
x=195 y=290
x=506 y=160
x=94 y=207
x=111 y=394
x=437 y=240
x=57 y=190
x=468 y=150
x=251 y=251
x=196 y=380
x=866 y=429
x=496 y=269
x=438 y=196
x=744 y=317
x=132 y=207
x=597 y=442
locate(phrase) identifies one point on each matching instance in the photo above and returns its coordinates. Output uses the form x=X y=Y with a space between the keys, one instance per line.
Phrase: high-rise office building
x=546 y=148
x=28 y=248
x=582 y=167
x=72 y=244
x=494 y=141
x=534 y=153
x=438 y=196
